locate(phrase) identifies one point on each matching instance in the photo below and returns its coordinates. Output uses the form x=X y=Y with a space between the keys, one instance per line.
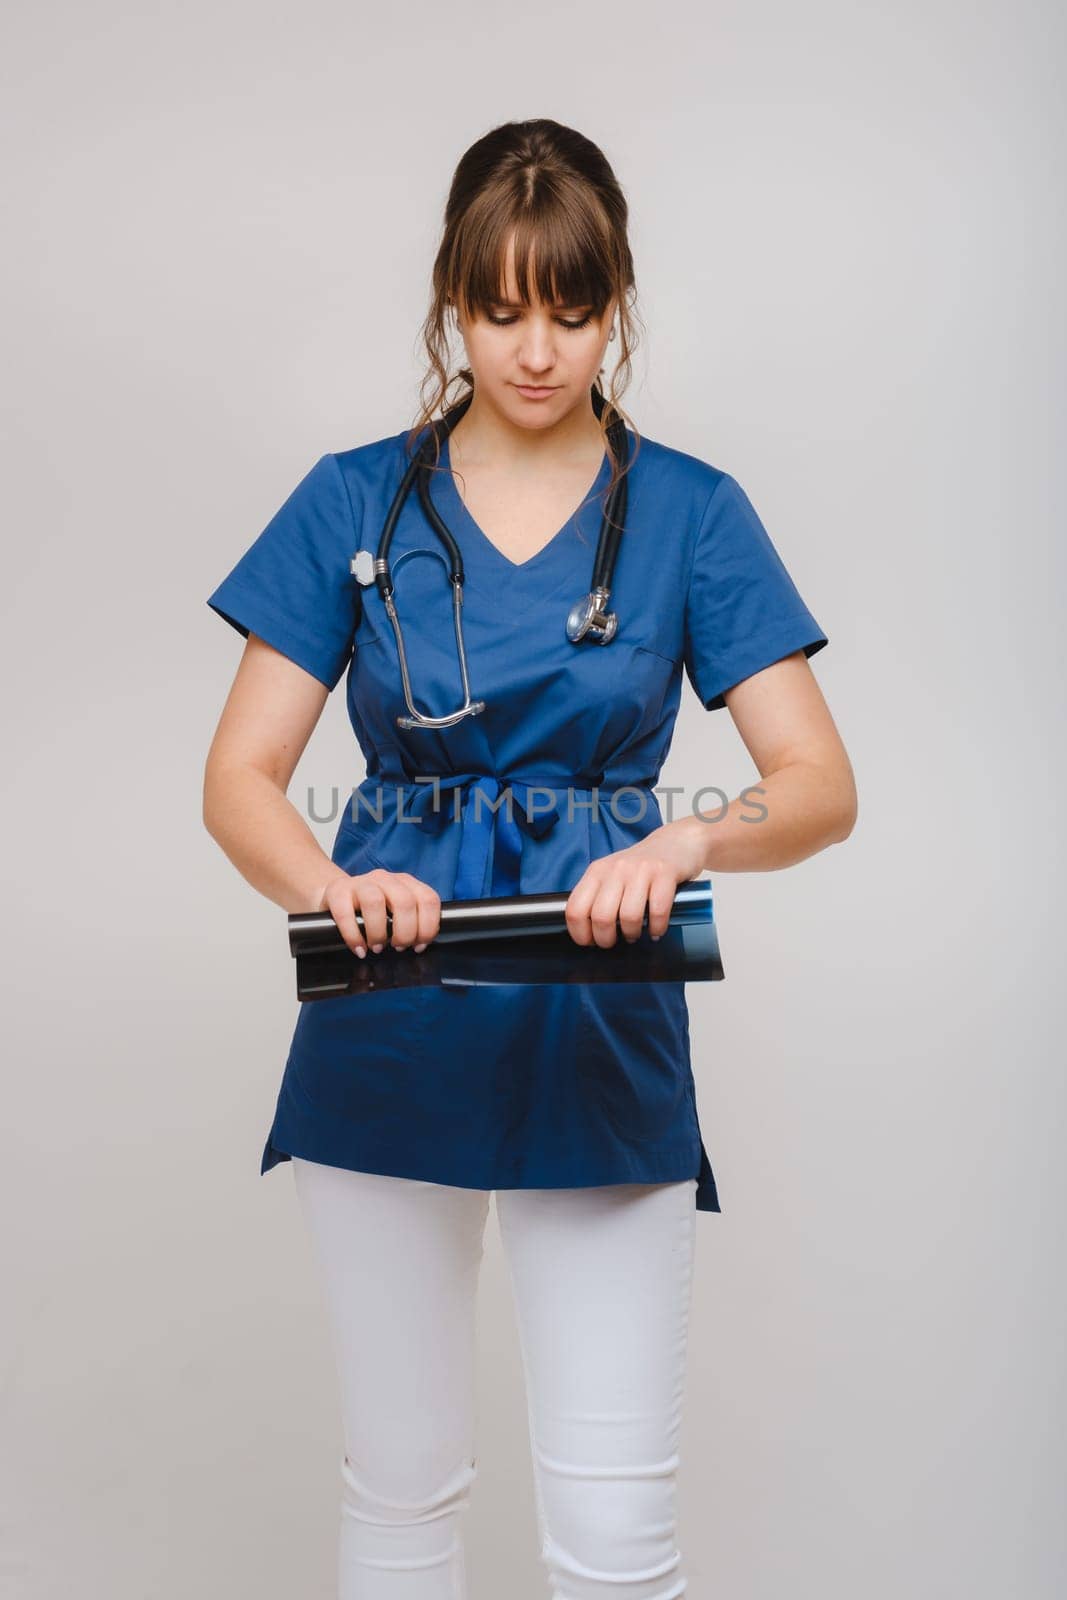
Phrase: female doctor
x=402 y=1109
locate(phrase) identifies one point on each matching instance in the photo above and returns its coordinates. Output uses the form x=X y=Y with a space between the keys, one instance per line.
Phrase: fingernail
x=377 y=948
x=419 y=948
x=360 y=951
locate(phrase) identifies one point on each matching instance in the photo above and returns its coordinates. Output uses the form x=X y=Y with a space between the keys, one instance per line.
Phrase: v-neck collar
x=458 y=517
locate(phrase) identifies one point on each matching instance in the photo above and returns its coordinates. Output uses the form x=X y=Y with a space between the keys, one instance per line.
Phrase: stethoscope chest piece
x=587 y=619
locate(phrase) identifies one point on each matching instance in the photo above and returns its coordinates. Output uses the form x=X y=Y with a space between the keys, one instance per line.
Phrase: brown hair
x=554 y=189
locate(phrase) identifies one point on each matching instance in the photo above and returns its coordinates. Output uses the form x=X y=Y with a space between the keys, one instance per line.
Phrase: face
x=534 y=363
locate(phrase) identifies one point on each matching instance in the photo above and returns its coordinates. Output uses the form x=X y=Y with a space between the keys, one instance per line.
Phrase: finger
x=579 y=904
x=604 y=914
x=661 y=896
x=373 y=906
x=340 y=903
x=634 y=900
x=428 y=903
x=404 y=908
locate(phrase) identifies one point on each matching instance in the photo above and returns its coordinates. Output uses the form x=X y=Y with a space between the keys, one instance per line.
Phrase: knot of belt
x=487 y=825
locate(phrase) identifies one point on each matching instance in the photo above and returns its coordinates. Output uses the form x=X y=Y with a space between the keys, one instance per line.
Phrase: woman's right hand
x=413 y=905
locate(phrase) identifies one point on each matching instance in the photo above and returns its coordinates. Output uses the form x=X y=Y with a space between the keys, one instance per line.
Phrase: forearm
x=265 y=837
x=785 y=817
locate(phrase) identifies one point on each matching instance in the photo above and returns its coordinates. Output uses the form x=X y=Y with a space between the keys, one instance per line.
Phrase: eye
x=564 y=322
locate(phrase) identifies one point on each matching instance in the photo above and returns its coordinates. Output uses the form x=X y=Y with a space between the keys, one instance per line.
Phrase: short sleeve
x=743 y=610
x=293 y=586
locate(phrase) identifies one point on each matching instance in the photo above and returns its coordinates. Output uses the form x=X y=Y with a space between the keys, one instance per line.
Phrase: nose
x=537 y=353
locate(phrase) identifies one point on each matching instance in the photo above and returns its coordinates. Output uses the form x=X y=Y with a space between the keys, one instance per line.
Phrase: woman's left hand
x=615 y=890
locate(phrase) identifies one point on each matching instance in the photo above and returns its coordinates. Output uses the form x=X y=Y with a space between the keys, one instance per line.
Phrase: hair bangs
x=562 y=251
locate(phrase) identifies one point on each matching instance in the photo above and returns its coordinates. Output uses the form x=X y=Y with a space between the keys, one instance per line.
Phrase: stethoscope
x=587 y=619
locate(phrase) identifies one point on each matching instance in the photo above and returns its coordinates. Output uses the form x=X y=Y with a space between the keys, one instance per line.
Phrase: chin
x=529 y=413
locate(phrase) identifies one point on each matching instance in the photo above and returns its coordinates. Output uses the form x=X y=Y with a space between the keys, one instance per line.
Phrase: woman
x=402 y=1108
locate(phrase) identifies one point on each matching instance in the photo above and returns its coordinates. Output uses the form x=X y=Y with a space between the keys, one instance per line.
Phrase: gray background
x=847 y=223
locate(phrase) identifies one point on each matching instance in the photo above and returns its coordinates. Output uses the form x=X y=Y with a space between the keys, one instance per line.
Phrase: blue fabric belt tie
x=488 y=828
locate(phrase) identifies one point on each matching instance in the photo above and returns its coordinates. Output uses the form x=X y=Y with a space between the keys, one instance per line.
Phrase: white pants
x=601 y=1283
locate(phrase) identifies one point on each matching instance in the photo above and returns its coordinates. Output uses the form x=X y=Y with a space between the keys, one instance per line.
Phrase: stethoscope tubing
x=593 y=619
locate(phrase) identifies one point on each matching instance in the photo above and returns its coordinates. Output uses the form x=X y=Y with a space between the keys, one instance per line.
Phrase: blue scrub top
x=552 y=1085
